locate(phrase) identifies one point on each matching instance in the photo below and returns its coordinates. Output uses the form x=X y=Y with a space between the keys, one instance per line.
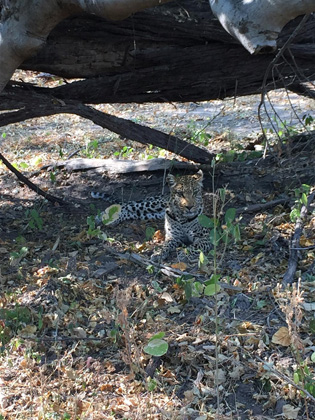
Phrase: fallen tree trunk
x=176 y=52
x=24 y=26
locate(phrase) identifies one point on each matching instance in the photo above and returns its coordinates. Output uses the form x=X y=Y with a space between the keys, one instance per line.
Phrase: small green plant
x=11 y=320
x=156 y=345
x=94 y=231
x=151 y=385
x=91 y=149
x=114 y=334
x=125 y=152
x=20 y=165
x=17 y=256
x=199 y=136
x=152 y=152
x=35 y=221
x=300 y=194
x=150 y=269
x=308 y=119
x=282 y=129
x=224 y=233
x=304 y=376
x=191 y=287
x=52 y=176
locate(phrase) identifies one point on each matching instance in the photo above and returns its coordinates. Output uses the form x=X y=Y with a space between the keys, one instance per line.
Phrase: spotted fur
x=180 y=210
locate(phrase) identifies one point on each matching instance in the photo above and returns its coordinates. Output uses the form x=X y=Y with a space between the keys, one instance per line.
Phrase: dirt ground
x=76 y=313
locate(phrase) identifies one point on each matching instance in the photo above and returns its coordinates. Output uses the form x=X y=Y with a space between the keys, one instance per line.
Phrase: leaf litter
x=75 y=320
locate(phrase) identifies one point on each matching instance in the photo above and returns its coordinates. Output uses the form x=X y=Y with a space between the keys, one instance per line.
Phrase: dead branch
x=166 y=270
x=261 y=206
x=119 y=166
x=127 y=129
x=288 y=277
x=271 y=65
x=30 y=184
x=284 y=378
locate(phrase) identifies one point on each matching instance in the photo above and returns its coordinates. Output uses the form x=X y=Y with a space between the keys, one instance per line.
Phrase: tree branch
x=30 y=184
x=124 y=128
x=288 y=277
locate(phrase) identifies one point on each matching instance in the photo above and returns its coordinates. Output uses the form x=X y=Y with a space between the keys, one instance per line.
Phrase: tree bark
x=257 y=25
x=25 y=27
x=176 y=52
x=125 y=128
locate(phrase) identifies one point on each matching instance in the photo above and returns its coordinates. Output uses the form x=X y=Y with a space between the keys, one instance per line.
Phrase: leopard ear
x=171 y=180
x=199 y=176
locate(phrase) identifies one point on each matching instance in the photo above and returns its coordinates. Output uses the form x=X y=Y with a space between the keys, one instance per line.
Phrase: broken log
x=121 y=166
x=175 y=52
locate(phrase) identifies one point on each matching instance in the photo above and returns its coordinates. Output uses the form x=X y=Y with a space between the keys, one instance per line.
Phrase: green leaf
x=237 y=233
x=90 y=222
x=158 y=335
x=304 y=199
x=213 y=279
x=214 y=237
x=295 y=214
x=230 y=215
x=313 y=357
x=296 y=378
x=23 y=251
x=212 y=289
x=149 y=232
x=152 y=384
x=156 y=347
x=222 y=194
x=205 y=221
x=201 y=258
x=197 y=289
x=188 y=289
x=113 y=210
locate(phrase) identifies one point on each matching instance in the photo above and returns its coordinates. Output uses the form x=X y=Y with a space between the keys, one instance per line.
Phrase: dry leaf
x=306 y=242
x=290 y=412
x=28 y=331
x=282 y=337
x=167 y=297
x=158 y=236
x=180 y=266
x=79 y=332
x=173 y=310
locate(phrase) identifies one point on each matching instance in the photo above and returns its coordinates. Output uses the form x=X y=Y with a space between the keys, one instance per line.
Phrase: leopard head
x=185 y=195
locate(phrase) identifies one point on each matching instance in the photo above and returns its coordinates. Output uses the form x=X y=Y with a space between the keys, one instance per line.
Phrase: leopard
x=180 y=211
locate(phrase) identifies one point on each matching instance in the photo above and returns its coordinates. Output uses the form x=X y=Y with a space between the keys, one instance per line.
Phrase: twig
x=261 y=206
x=304 y=248
x=285 y=378
x=30 y=184
x=271 y=64
x=288 y=277
x=61 y=338
x=167 y=270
